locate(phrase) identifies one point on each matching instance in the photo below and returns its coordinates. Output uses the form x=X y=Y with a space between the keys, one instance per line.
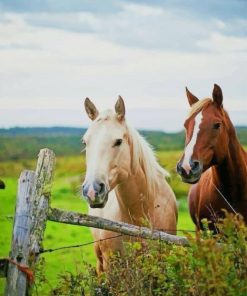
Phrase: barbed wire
x=42 y=251
x=80 y=245
x=104 y=239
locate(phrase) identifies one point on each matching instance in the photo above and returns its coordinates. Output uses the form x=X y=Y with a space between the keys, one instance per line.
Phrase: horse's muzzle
x=99 y=204
x=194 y=175
x=95 y=193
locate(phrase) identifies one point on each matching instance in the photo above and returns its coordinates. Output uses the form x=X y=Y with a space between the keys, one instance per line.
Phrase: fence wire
x=42 y=251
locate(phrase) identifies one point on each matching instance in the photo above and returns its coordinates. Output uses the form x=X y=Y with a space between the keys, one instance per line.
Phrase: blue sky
x=55 y=53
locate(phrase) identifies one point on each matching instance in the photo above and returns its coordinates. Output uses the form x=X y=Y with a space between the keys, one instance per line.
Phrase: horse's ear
x=191 y=98
x=90 y=108
x=120 y=108
x=217 y=95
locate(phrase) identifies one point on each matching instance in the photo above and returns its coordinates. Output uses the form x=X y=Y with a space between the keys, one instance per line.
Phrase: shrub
x=212 y=265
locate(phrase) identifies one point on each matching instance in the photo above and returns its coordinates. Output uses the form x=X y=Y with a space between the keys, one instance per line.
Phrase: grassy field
x=65 y=195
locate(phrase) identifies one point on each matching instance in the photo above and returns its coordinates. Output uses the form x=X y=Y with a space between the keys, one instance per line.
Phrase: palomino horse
x=123 y=180
x=213 y=160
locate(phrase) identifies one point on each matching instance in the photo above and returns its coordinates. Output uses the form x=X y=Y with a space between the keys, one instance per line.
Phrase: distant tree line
x=24 y=143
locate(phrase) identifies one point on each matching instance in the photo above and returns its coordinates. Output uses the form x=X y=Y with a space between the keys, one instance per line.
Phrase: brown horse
x=213 y=160
x=123 y=181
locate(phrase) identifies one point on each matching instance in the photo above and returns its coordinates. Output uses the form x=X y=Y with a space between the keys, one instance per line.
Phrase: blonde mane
x=198 y=106
x=143 y=155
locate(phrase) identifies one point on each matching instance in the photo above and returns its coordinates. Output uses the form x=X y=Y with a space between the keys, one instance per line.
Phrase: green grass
x=65 y=195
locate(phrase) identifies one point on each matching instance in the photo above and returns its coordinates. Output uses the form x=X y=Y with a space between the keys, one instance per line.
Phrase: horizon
x=86 y=127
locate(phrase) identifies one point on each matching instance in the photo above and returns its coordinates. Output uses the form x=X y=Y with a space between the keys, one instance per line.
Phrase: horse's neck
x=133 y=198
x=231 y=174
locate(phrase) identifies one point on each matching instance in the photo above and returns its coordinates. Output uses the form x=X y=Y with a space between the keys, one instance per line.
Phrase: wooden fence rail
x=31 y=215
x=68 y=217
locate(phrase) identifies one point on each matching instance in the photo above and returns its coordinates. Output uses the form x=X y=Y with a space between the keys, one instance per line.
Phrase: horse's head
x=206 y=136
x=107 y=152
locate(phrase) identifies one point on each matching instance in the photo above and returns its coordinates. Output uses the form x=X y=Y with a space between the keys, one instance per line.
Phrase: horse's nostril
x=181 y=171
x=195 y=165
x=102 y=188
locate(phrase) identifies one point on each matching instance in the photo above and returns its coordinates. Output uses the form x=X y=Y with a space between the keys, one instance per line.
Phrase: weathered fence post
x=30 y=221
x=16 y=279
x=41 y=200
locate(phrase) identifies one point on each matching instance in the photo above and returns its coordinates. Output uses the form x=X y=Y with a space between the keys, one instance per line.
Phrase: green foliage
x=212 y=265
x=169 y=159
x=165 y=141
x=26 y=147
x=79 y=284
x=24 y=143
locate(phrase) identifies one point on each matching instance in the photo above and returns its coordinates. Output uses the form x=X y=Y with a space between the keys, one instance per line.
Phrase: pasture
x=66 y=195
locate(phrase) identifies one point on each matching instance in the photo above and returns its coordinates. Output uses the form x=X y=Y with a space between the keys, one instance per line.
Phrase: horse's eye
x=216 y=125
x=118 y=142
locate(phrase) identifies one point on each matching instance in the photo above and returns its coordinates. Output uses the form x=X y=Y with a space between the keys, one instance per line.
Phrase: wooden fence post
x=41 y=200
x=16 y=279
x=30 y=221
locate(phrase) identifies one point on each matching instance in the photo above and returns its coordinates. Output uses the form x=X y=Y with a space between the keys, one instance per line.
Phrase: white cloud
x=51 y=70
x=142 y=9
x=221 y=43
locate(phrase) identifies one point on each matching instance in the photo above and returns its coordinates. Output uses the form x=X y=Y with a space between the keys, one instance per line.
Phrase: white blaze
x=190 y=147
x=94 y=158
